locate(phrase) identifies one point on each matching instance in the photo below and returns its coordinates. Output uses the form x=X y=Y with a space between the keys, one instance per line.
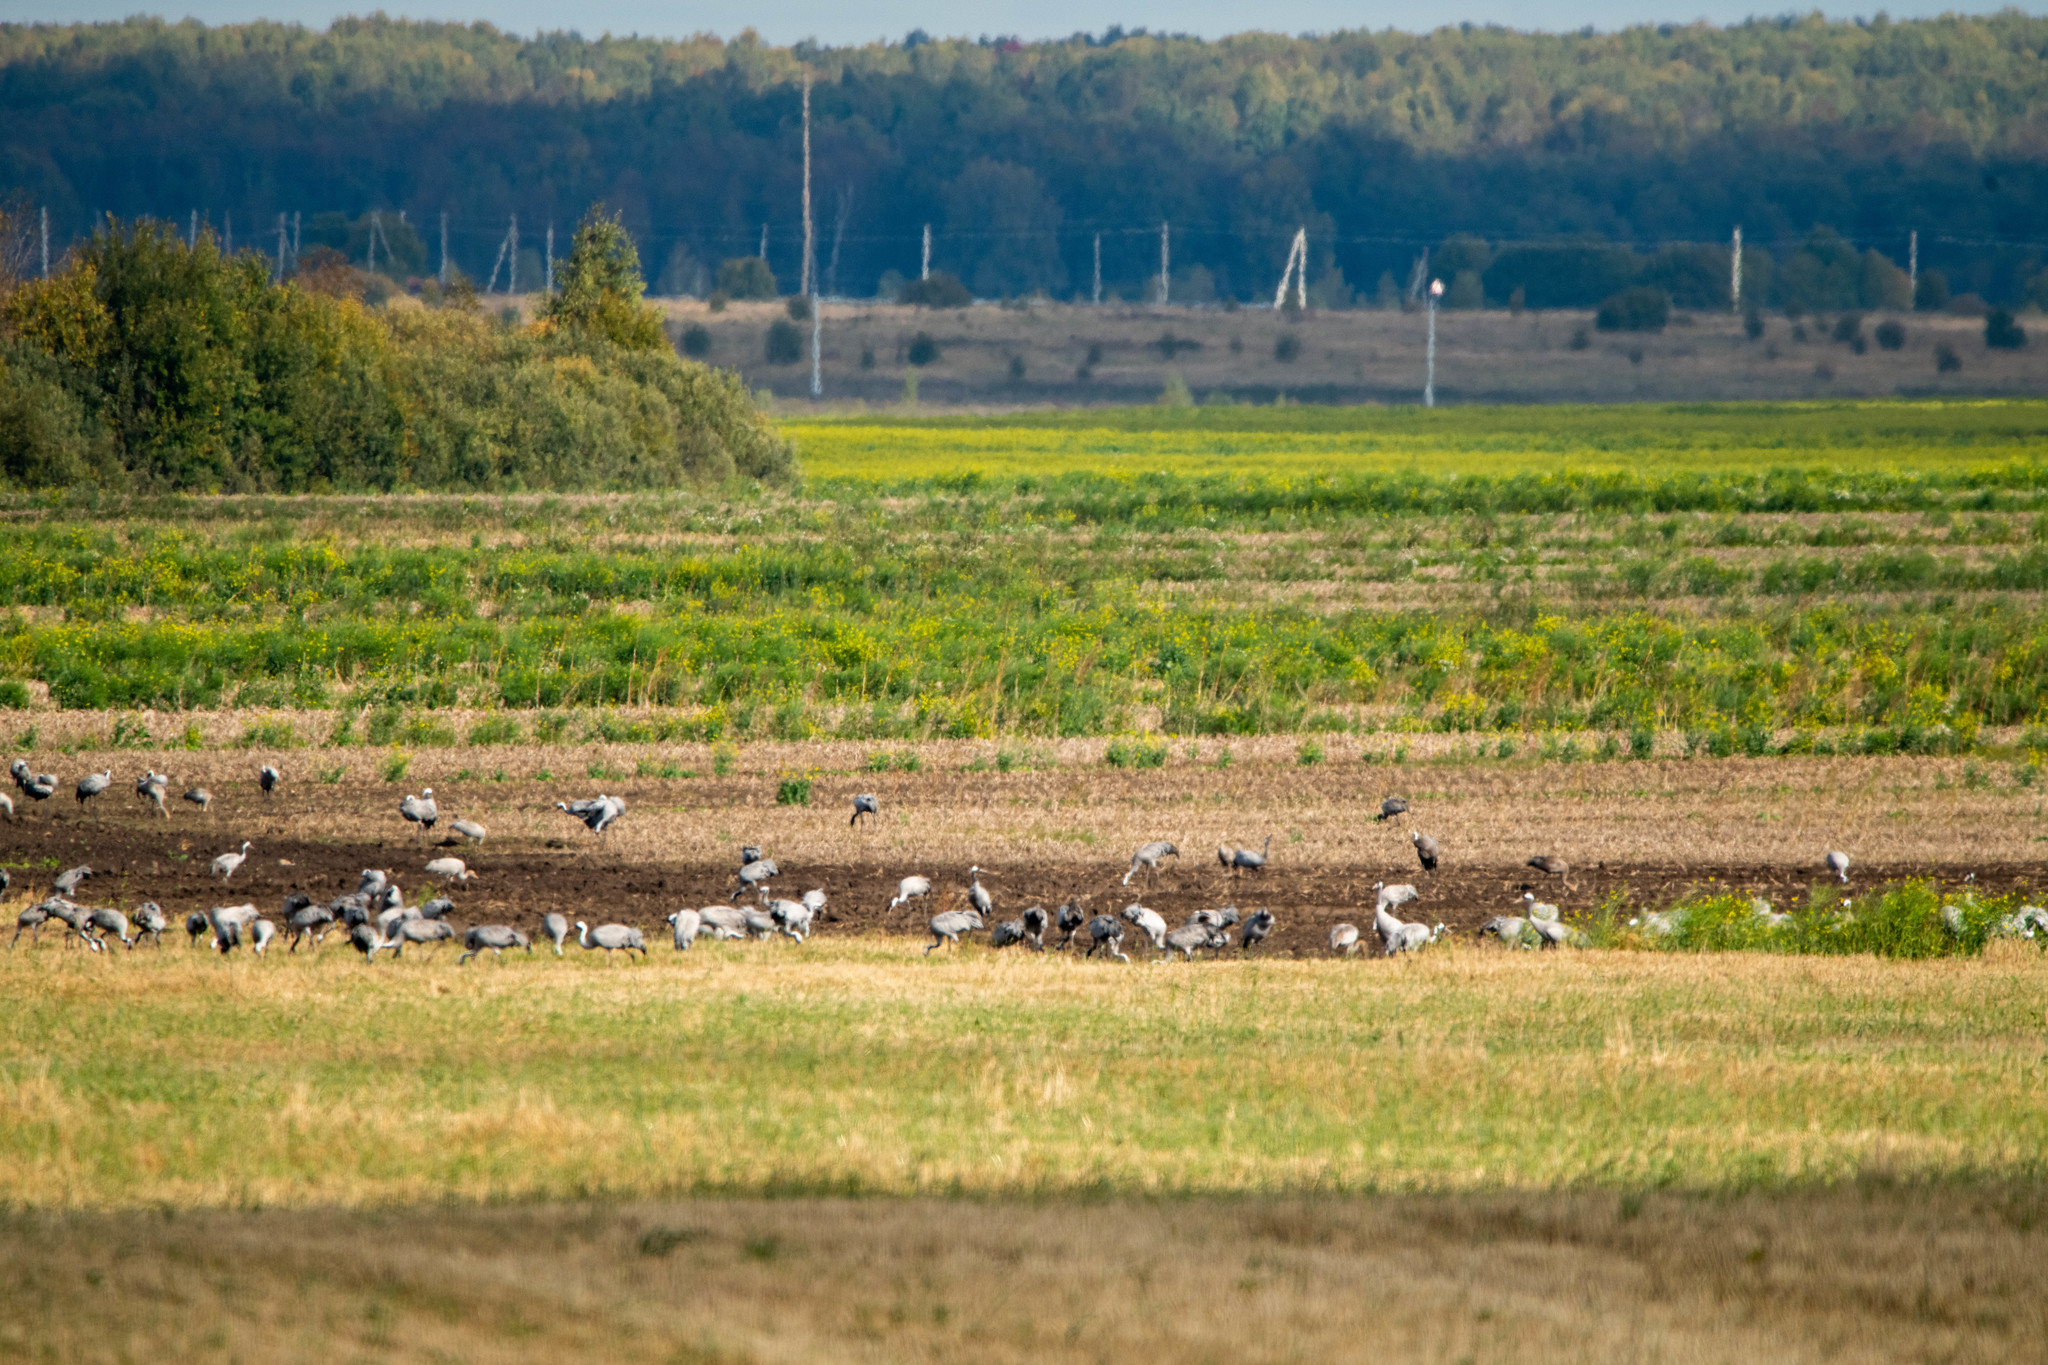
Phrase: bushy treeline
x=151 y=362
x=1017 y=153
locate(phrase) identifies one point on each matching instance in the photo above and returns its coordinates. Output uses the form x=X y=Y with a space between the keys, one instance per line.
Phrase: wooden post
x=924 y=271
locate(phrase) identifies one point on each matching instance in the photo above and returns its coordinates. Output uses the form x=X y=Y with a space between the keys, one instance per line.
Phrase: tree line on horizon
x=1564 y=166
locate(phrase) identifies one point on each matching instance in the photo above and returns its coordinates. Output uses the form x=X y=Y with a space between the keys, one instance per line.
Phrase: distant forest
x=1562 y=166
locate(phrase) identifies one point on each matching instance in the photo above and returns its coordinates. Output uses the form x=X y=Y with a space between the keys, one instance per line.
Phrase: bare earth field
x=1650 y=831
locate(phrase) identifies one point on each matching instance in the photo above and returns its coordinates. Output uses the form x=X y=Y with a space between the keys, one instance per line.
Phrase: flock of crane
x=376 y=918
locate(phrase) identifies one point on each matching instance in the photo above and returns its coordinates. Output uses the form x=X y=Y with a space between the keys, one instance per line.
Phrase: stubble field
x=1684 y=660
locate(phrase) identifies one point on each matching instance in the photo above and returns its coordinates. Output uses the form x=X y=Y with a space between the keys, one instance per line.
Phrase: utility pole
x=1165 y=260
x=807 y=286
x=46 y=241
x=924 y=271
x=1436 y=291
x=1735 y=273
x=551 y=258
x=512 y=279
x=1297 y=270
x=1098 y=269
x=192 y=240
x=1913 y=266
x=444 y=248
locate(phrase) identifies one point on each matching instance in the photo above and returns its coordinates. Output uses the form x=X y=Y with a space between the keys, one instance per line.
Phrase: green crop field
x=1948 y=440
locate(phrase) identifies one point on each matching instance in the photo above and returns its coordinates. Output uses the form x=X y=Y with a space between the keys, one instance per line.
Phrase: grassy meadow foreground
x=1569 y=1156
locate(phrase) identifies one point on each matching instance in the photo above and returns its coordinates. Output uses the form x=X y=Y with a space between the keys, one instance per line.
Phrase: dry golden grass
x=1872 y=1274
x=178 y=1078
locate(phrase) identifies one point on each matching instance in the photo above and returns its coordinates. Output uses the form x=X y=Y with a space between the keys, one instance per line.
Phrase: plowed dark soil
x=584 y=881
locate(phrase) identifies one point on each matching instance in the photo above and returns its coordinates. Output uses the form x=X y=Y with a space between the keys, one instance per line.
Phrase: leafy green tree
x=746 y=277
x=598 y=288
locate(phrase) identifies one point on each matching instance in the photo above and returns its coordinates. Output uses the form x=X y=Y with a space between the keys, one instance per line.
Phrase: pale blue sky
x=838 y=21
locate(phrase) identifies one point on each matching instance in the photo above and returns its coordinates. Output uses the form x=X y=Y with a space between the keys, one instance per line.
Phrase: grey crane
x=791 y=917
x=92 y=784
x=977 y=894
x=1388 y=897
x=864 y=804
x=612 y=938
x=556 y=927
x=723 y=921
x=66 y=883
x=41 y=787
x=1398 y=936
x=230 y=925
x=1224 y=918
x=1193 y=936
x=910 y=889
x=371 y=881
x=1536 y=909
x=1256 y=930
x=7 y=805
x=1838 y=863
x=449 y=870
x=947 y=927
x=350 y=909
x=267 y=778
x=261 y=935
x=195 y=925
x=687 y=924
x=390 y=918
x=1344 y=939
x=1426 y=850
x=32 y=919
x=1149 y=921
x=420 y=811
x=1657 y=923
x=598 y=813
x=1070 y=921
x=1552 y=934
x=750 y=853
x=71 y=916
x=19 y=771
x=426 y=932
x=1244 y=860
x=815 y=898
x=309 y=922
x=109 y=921
x=760 y=924
x=1392 y=809
x=152 y=787
x=1149 y=856
x=440 y=907
x=149 y=920
x=1511 y=930
x=1106 y=932
x=469 y=829
x=495 y=937
x=364 y=940
x=224 y=866
x=1028 y=927
x=752 y=874
x=200 y=797
x=1551 y=866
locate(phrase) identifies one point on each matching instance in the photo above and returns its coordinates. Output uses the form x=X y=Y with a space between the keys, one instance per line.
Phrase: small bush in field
x=394 y=768
x=793 y=791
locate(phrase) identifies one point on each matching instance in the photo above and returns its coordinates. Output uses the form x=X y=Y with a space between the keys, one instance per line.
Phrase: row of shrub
x=154 y=362
x=1914 y=919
